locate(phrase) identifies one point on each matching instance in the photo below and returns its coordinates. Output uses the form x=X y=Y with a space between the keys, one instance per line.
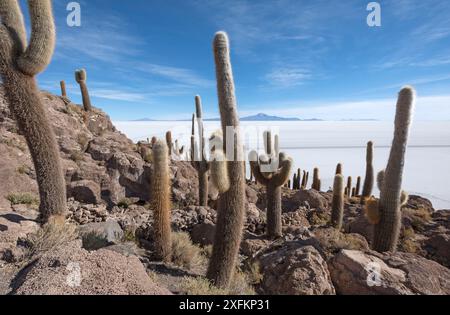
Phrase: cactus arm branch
x=40 y=49
x=12 y=19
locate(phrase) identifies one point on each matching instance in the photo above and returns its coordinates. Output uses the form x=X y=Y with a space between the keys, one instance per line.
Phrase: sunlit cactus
x=160 y=202
x=231 y=203
x=20 y=62
x=369 y=179
x=387 y=231
x=81 y=77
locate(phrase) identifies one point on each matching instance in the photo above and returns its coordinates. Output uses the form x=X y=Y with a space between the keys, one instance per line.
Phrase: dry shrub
x=23 y=198
x=53 y=234
x=185 y=253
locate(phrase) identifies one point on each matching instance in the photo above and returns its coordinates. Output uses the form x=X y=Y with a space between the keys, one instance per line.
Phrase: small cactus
x=20 y=62
x=358 y=186
x=339 y=169
x=316 y=180
x=368 y=180
x=231 y=203
x=80 y=77
x=337 y=204
x=387 y=231
x=63 y=88
x=349 y=186
x=160 y=202
x=169 y=143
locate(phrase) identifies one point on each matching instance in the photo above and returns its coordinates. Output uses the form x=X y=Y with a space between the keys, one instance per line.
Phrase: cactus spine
x=198 y=159
x=386 y=232
x=368 y=180
x=81 y=77
x=160 y=202
x=231 y=208
x=274 y=177
x=337 y=205
x=63 y=88
x=19 y=63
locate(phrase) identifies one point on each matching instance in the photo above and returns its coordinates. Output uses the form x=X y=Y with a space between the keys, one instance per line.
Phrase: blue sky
x=148 y=58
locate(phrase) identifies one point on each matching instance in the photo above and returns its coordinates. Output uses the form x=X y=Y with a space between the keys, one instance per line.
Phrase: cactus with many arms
x=160 y=202
x=231 y=203
x=337 y=204
x=273 y=178
x=368 y=180
x=198 y=158
x=387 y=231
x=19 y=64
x=81 y=77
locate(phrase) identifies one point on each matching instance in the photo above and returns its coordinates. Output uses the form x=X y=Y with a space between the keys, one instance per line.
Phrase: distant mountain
x=265 y=117
x=257 y=117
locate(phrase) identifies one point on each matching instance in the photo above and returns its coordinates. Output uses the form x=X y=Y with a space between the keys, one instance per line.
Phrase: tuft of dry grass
x=185 y=253
x=50 y=236
x=23 y=199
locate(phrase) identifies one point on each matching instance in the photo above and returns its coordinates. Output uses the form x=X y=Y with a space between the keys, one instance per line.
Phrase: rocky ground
x=106 y=248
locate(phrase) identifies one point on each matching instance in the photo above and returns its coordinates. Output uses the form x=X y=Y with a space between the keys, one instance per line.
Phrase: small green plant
x=23 y=169
x=185 y=253
x=124 y=203
x=23 y=198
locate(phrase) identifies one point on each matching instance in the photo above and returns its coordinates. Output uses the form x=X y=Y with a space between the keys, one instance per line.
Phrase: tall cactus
x=386 y=232
x=231 y=205
x=169 y=143
x=337 y=204
x=368 y=180
x=273 y=178
x=349 y=186
x=19 y=64
x=358 y=186
x=198 y=159
x=81 y=77
x=160 y=202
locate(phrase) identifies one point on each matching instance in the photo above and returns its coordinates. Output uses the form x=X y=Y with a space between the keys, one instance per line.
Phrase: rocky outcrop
x=357 y=272
x=71 y=270
x=294 y=269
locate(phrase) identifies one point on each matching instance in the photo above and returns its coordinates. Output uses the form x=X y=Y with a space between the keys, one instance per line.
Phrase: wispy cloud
x=287 y=77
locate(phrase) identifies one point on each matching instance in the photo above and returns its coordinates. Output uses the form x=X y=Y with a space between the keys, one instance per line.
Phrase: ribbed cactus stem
x=349 y=186
x=276 y=145
x=231 y=204
x=160 y=202
x=81 y=77
x=18 y=68
x=358 y=186
x=337 y=204
x=316 y=180
x=369 y=179
x=386 y=233
x=63 y=88
x=268 y=142
x=169 y=142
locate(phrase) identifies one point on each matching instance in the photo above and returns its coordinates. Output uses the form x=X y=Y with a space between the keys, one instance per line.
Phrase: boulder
x=357 y=272
x=203 y=233
x=294 y=269
x=85 y=191
x=101 y=234
x=308 y=198
x=71 y=270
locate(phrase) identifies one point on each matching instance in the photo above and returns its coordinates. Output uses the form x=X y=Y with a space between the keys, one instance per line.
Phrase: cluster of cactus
x=20 y=62
x=227 y=175
x=81 y=77
x=271 y=170
x=160 y=202
x=385 y=214
x=198 y=155
x=296 y=180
